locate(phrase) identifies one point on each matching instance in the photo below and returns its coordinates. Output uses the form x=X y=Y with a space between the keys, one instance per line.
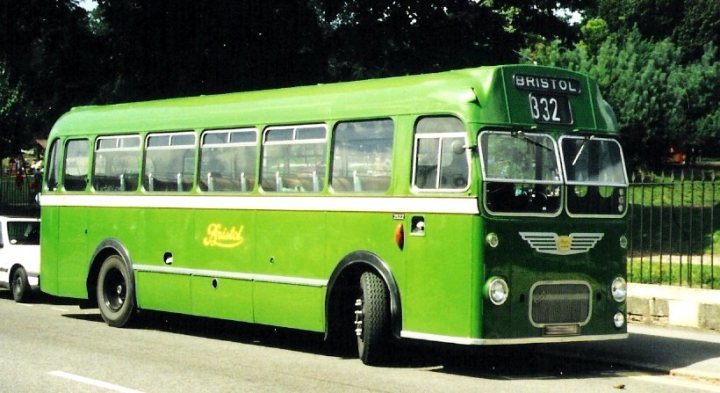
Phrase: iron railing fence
x=674 y=231
x=17 y=194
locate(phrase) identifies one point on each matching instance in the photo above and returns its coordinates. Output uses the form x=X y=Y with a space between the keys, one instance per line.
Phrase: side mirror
x=458 y=147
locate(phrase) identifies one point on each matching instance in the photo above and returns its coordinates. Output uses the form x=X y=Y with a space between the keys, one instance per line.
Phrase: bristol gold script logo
x=218 y=235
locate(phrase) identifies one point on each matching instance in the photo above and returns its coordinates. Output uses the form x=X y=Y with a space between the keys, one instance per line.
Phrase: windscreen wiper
x=582 y=147
x=521 y=135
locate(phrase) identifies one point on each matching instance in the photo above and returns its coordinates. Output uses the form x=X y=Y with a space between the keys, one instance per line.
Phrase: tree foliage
x=190 y=47
x=46 y=49
x=12 y=112
x=655 y=58
x=661 y=101
x=127 y=50
x=690 y=24
x=385 y=37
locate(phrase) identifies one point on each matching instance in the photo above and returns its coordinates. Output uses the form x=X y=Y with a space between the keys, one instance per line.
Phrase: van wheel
x=19 y=285
x=372 y=318
x=115 y=292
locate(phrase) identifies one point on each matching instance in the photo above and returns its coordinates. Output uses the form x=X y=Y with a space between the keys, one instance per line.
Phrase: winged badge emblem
x=552 y=243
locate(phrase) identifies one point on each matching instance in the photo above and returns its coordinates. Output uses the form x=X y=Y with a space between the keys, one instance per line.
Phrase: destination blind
x=548 y=97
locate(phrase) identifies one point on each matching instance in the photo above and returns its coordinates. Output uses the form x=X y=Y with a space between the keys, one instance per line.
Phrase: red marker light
x=400 y=236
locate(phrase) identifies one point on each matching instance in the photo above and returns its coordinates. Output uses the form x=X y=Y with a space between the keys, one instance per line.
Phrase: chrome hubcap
x=358 y=318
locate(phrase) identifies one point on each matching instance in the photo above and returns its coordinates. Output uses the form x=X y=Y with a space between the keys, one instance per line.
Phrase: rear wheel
x=372 y=319
x=19 y=285
x=115 y=292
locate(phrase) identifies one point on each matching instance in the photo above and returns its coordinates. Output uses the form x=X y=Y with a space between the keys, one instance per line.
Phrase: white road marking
x=678 y=382
x=93 y=382
x=59 y=309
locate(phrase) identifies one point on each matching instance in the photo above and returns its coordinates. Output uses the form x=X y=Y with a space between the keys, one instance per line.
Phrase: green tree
x=191 y=47
x=654 y=19
x=699 y=27
x=372 y=38
x=690 y=24
x=13 y=111
x=369 y=38
x=660 y=101
x=47 y=48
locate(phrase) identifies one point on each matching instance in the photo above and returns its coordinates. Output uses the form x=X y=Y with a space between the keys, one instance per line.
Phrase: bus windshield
x=595 y=175
x=592 y=161
x=522 y=173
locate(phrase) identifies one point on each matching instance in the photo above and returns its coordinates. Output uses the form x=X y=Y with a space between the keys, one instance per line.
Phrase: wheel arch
x=345 y=278
x=106 y=248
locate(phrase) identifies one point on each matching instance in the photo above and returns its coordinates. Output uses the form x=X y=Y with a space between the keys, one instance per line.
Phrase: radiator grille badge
x=552 y=243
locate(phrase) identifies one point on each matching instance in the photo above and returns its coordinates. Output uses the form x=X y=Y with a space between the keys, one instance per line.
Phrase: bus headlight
x=619 y=320
x=623 y=242
x=492 y=239
x=619 y=289
x=497 y=291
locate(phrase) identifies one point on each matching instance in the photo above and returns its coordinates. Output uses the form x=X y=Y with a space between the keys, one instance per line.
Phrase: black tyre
x=372 y=320
x=115 y=292
x=19 y=285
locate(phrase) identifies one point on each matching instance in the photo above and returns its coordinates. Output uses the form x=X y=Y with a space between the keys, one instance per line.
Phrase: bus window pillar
x=210 y=182
x=357 y=186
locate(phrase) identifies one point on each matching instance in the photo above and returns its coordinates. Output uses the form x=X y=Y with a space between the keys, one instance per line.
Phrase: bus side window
x=53 y=170
x=76 y=165
x=362 y=156
x=115 y=166
x=227 y=160
x=169 y=162
x=440 y=161
x=294 y=158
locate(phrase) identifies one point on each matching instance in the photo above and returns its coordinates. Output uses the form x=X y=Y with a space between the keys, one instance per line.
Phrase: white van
x=20 y=255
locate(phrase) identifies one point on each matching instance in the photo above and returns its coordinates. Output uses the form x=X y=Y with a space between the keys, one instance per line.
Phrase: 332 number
x=545 y=109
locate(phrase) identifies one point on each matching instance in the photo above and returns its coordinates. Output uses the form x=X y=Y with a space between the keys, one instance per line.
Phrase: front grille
x=560 y=303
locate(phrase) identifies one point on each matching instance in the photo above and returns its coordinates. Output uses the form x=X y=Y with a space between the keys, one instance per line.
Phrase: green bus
x=476 y=207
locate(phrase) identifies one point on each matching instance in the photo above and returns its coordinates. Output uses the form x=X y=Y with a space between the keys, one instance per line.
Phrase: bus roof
x=480 y=95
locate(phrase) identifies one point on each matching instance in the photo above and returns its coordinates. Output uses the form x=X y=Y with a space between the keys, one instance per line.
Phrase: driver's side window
x=441 y=161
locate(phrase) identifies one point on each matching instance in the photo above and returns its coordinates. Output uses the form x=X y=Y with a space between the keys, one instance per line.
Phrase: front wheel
x=19 y=285
x=115 y=292
x=372 y=319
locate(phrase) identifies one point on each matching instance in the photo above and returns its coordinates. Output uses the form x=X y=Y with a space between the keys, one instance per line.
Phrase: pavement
x=682 y=324
x=674 y=306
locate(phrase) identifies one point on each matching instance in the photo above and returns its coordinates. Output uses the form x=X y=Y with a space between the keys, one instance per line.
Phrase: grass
x=698 y=190
x=684 y=274
x=675 y=215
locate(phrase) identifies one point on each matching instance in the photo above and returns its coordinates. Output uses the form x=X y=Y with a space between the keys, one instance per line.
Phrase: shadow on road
x=512 y=362
x=41 y=298
x=641 y=352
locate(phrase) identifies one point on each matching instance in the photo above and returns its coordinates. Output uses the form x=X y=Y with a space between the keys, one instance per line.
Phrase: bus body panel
x=516 y=259
x=443 y=277
x=224 y=298
x=50 y=250
x=72 y=240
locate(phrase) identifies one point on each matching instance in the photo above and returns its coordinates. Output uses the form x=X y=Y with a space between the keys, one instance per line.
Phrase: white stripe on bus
x=508 y=341
x=308 y=282
x=451 y=205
